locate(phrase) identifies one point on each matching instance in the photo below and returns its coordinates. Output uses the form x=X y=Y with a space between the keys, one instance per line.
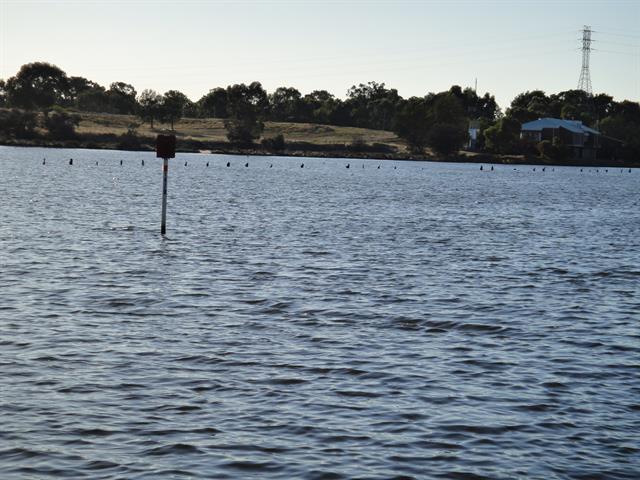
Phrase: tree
x=149 y=102
x=603 y=105
x=629 y=111
x=247 y=97
x=624 y=125
x=246 y=106
x=37 y=85
x=93 y=100
x=191 y=110
x=503 y=136
x=372 y=105
x=575 y=105
x=122 y=98
x=172 y=106
x=319 y=106
x=412 y=123
x=530 y=106
x=214 y=103
x=450 y=124
x=487 y=107
x=285 y=105
x=445 y=138
x=447 y=109
x=79 y=85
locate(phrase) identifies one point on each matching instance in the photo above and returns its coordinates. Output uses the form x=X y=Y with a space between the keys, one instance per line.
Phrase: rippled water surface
x=419 y=320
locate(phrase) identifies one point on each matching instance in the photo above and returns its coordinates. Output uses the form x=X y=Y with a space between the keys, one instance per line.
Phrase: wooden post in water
x=165 y=149
x=165 y=174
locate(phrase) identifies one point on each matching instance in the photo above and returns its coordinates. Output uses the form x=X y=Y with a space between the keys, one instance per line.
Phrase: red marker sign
x=166 y=146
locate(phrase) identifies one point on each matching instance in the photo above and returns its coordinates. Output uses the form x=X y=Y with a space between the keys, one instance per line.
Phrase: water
x=429 y=321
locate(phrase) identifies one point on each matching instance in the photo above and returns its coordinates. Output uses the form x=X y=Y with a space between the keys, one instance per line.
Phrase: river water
x=417 y=320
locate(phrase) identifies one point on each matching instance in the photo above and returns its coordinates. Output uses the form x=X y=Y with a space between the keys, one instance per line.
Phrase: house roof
x=574 y=126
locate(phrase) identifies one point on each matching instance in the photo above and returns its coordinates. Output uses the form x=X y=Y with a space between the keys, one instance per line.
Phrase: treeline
x=243 y=107
x=439 y=121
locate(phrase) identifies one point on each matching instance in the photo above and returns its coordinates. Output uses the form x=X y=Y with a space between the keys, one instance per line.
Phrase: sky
x=416 y=47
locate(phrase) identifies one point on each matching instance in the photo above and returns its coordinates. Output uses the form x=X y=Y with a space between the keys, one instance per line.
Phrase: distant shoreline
x=315 y=150
x=100 y=131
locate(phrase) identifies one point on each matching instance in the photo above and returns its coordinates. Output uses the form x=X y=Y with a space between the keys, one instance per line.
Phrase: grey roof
x=574 y=126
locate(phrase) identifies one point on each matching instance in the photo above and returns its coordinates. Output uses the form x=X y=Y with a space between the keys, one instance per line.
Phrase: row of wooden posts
x=166 y=149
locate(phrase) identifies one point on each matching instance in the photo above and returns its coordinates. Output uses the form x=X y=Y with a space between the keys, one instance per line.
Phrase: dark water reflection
x=432 y=321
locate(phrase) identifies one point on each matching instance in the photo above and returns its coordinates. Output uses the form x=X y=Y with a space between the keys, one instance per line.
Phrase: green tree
x=172 y=106
x=529 y=106
x=372 y=105
x=214 y=104
x=503 y=136
x=149 y=103
x=191 y=110
x=624 y=125
x=603 y=105
x=449 y=124
x=445 y=138
x=487 y=108
x=246 y=106
x=93 y=100
x=122 y=98
x=575 y=105
x=285 y=105
x=413 y=123
x=79 y=85
x=319 y=106
x=476 y=107
x=628 y=110
x=447 y=109
x=37 y=85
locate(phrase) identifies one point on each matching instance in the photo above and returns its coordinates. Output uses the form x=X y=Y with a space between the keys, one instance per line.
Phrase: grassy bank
x=109 y=131
x=212 y=130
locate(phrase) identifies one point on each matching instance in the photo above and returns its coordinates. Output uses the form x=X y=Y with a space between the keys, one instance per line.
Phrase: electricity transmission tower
x=584 y=83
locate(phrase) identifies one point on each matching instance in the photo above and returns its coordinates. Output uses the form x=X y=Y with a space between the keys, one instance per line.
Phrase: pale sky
x=414 y=46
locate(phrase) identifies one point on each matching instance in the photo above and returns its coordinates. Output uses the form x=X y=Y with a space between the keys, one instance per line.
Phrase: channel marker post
x=165 y=149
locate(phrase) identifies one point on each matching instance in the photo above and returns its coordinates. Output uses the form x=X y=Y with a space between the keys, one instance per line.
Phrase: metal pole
x=165 y=172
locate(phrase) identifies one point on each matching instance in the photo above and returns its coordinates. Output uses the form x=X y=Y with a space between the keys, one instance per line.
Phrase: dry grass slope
x=212 y=129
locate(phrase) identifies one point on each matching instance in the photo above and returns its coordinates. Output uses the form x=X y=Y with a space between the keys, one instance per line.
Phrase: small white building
x=474 y=132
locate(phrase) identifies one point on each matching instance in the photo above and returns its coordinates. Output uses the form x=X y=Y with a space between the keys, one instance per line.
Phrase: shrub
x=276 y=144
x=358 y=144
x=130 y=140
x=17 y=123
x=61 y=125
x=243 y=131
x=555 y=150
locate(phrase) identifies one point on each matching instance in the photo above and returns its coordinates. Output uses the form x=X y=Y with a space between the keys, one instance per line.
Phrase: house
x=582 y=141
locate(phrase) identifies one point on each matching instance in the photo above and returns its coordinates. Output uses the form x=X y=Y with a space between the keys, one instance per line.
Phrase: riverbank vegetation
x=42 y=105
